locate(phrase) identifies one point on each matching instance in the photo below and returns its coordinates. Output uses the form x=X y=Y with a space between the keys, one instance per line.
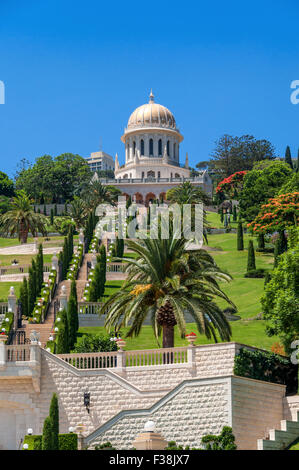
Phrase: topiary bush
x=255 y=273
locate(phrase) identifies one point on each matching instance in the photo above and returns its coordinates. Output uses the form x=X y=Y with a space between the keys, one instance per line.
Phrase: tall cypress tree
x=261 y=241
x=52 y=216
x=47 y=436
x=62 y=340
x=288 y=157
x=235 y=213
x=24 y=297
x=280 y=246
x=251 y=257
x=297 y=166
x=240 y=240
x=54 y=417
x=31 y=291
x=40 y=263
x=72 y=321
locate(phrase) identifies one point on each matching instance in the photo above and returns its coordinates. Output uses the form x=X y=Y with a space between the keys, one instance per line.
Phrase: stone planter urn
x=121 y=344
x=191 y=338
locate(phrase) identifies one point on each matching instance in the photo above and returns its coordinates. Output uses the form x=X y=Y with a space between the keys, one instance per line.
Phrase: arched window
x=168 y=148
x=160 y=147
x=176 y=175
x=151 y=174
x=174 y=151
x=159 y=174
x=151 y=147
x=134 y=147
x=142 y=147
x=142 y=175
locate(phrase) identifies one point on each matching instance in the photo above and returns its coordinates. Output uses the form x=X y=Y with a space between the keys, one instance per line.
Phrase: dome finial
x=151 y=96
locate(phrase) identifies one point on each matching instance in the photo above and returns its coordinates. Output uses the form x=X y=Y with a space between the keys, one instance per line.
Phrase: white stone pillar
x=12 y=305
x=3 y=339
x=93 y=261
x=81 y=237
x=63 y=298
x=55 y=262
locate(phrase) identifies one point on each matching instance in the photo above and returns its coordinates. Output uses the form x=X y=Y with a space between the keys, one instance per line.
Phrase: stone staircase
x=280 y=439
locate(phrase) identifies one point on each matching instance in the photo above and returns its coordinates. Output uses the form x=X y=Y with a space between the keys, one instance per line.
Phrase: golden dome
x=151 y=115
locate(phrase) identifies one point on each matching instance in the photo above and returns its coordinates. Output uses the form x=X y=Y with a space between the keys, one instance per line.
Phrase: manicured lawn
x=247 y=332
x=244 y=292
x=112 y=286
x=215 y=221
x=4 y=289
x=54 y=241
x=6 y=260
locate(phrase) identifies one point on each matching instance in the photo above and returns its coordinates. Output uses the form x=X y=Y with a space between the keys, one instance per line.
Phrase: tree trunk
x=168 y=336
x=23 y=235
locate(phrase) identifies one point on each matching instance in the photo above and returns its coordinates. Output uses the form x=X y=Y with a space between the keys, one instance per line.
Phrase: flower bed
x=41 y=304
x=94 y=244
x=75 y=264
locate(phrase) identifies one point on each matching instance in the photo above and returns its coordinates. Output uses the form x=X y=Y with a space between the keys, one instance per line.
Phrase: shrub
x=225 y=440
x=54 y=417
x=255 y=273
x=68 y=441
x=251 y=257
x=105 y=446
x=47 y=437
x=240 y=241
x=267 y=366
x=94 y=343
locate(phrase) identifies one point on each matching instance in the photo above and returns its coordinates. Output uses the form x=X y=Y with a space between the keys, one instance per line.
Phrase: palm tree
x=96 y=193
x=78 y=212
x=166 y=282
x=186 y=193
x=22 y=219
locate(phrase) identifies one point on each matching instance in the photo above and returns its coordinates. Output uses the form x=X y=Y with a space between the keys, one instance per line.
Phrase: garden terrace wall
x=25 y=399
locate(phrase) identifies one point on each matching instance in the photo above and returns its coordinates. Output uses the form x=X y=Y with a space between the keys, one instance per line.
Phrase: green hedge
x=7 y=325
x=75 y=264
x=66 y=442
x=267 y=366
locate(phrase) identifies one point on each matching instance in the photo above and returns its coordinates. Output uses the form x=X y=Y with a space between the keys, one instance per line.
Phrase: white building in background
x=152 y=156
x=100 y=161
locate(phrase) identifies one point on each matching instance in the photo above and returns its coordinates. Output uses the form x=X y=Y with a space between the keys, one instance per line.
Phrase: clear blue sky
x=74 y=71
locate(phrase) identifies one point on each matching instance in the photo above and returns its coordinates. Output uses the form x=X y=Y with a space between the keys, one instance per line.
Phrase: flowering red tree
x=278 y=214
x=231 y=185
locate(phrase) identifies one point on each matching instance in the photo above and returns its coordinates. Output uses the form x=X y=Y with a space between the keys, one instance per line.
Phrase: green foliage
x=94 y=343
x=224 y=441
x=68 y=441
x=255 y=273
x=291 y=186
x=288 y=157
x=261 y=242
x=251 y=257
x=6 y=185
x=62 y=338
x=47 y=436
x=105 y=446
x=7 y=326
x=266 y=366
x=280 y=246
x=235 y=213
x=281 y=296
x=56 y=178
x=24 y=297
x=72 y=318
x=261 y=185
x=54 y=417
x=21 y=219
x=234 y=154
x=65 y=442
x=240 y=240
x=4 y=204
x=52 y=216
